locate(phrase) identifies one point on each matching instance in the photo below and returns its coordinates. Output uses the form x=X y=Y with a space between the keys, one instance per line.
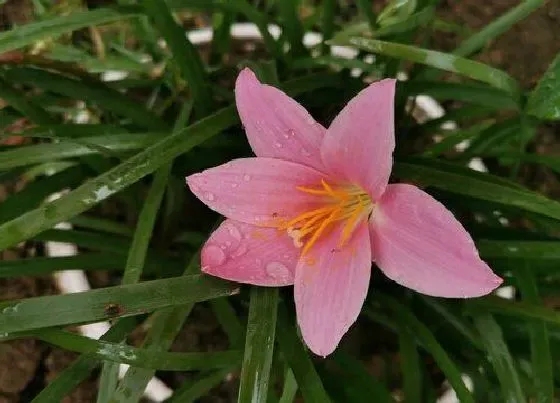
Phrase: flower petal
x=330 y=291
x=360 y=141
x=258 y=191
x=249 y=254
x=276 y=125
x=418 y=243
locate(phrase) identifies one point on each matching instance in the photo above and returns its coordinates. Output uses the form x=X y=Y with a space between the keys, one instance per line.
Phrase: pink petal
x=276 y=125
x=359 y=143
x=330 y=292
x=249 y=254
x=256 y=190
x=418 y=243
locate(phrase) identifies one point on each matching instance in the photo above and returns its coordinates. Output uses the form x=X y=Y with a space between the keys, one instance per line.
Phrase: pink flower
x=314 y=209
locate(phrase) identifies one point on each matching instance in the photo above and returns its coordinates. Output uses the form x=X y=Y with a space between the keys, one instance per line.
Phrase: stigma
x=345 y=203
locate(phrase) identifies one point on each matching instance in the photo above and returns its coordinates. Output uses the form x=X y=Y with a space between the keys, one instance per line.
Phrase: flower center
x=341 y=203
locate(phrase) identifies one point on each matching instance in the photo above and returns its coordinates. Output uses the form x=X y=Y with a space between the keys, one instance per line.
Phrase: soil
x=525 y=52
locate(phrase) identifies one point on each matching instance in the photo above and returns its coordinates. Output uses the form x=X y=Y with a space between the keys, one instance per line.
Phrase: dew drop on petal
x=239 y=251
x=289 y=133
x=305 y=153
x=234 y=185
x=246 y=177
x=277 y=271
x=234 y=231
x=214 y=256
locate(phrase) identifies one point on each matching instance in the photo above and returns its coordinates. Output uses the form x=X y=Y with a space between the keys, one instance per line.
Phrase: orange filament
x=341 y=203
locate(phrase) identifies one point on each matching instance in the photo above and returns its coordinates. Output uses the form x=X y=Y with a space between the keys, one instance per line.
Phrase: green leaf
x=184 y=53
x=497 y=27
x=37 y=31
x=440 y=60
x=478 y=94
x=104 y=303
x=139 y=357
x=406 y=318
x=491 y=249
x=165 y=325
x=290 y=387
x=288 y=11
x=107 y=381
x=512 y=308
x=73 y=375
x=23 y=104
x=259 y=345
x=479 y=186
x=544 y=101
x=190 y=391
x=46 y=152
x=410 y=366
x=98 y=93
x=39 y=266
x=541 y=356
x=295 y=353
x=500 y=358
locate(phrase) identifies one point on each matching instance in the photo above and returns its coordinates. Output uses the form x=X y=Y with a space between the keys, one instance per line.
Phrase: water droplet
x=277 y=271
x=278 y=145
x=209 y=196
x=223 y=247
x=290 y=133
x=214 y=256
x=305 y=153
x=239 y=251
x=246 y=177
x=234 y=185
x=234 y=231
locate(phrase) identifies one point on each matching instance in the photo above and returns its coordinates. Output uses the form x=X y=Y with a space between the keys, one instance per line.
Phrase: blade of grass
x=500 y=358
x=166 y=324
x=406 y=318
x=290 y=387
x=89 y=91
x=295 y=354
x=327 y=24
x=55 y=26
x=228 y=320
x=190 y=391
x=541 y=357
x=73 y=375
x=544 y=101
x=184 y=53
x=479 y=186
x=518 y=309
x=107 y=381
x=39 y=266
x=497 y=27
x=23 y=104
x=40 y=153
x=365 y=8
x=103 y=303
x=410 y=366
x=139 y=357
x=440 y=60
x=292 y=28
x=259 y=345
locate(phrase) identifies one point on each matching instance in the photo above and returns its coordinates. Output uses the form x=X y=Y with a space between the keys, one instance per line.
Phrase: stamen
x=341 y=203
